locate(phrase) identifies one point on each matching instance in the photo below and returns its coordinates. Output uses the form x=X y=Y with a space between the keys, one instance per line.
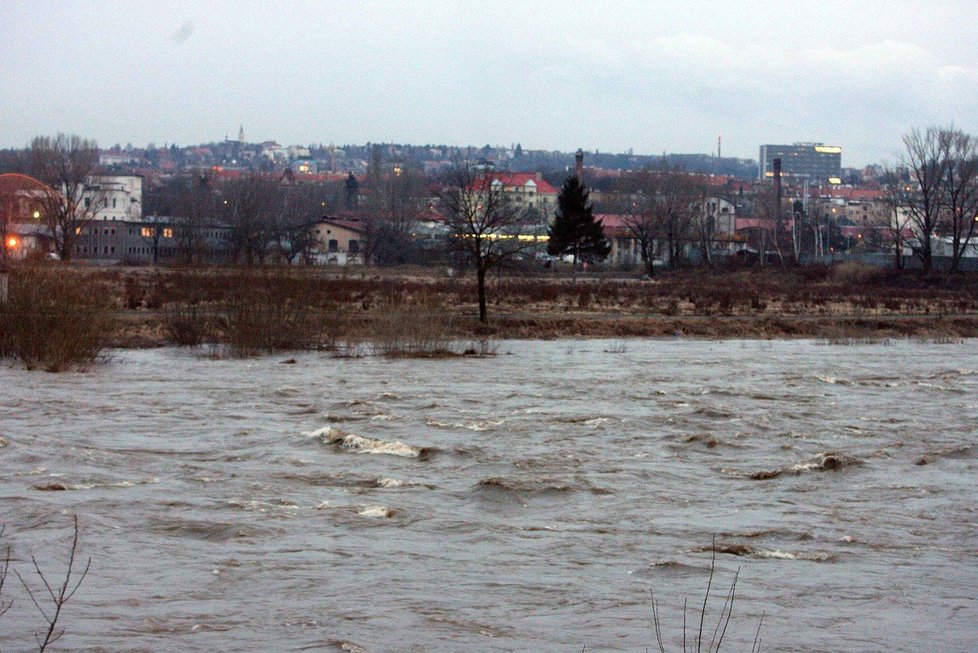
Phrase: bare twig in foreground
x=59 y=596
x=719 y=631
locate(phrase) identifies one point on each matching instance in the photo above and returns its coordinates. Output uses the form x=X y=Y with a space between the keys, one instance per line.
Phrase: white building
x=114 y=197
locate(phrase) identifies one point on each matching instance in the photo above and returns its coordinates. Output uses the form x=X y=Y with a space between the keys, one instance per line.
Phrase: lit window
x=146 y=232
x=168 y=233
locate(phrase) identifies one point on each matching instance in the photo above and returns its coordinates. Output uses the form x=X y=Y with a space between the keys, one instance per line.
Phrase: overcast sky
x=652 y=76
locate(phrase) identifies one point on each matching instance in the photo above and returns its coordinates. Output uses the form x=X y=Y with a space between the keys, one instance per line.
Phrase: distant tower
x=579 y=165
x=718 y=146
x=351 y=193
x=241 y=134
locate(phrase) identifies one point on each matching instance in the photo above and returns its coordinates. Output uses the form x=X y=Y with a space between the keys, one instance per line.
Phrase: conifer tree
x=574 y=230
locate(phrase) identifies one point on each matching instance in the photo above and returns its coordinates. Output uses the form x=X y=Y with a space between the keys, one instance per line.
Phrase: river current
x=527 y=501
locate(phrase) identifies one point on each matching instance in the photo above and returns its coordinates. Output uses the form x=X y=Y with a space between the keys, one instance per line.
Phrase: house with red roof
x=527 y=190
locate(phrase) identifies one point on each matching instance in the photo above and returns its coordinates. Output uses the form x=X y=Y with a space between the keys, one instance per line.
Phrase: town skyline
x=650 y=77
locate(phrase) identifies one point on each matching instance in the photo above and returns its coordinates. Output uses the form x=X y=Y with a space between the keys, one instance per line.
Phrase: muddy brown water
x=528 y=501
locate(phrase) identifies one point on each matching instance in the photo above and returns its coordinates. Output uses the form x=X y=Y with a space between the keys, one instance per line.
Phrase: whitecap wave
x=377 y=512
x=360 y=444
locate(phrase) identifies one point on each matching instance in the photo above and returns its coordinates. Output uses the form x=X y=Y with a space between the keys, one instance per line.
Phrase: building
x=526 y=190
x=337 y=241
x=154 y=239
x=625 y=250
x=113 y=197
x=815 y=162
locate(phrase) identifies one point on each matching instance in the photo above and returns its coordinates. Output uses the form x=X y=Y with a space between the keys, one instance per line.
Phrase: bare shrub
x=419 y=329
x=851 y=273
x=268 y=312
x=187 y=324
x=55 y=319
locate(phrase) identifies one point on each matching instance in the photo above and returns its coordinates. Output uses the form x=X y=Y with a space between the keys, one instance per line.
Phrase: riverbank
x=422 y=308
x=834 y=303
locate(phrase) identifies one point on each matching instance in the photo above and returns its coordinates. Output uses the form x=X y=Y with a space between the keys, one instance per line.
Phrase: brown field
x=322 y=307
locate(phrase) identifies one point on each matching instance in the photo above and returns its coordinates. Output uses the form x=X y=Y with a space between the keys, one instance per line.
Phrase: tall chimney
x=718 y=146
x=579 y=165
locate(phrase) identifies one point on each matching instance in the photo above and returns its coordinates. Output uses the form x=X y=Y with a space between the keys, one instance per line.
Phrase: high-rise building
x=816 y=162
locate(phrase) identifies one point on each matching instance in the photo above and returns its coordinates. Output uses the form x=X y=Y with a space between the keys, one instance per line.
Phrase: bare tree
x=961 y=192
x=294 y=210
x=247 y=206
x=641 y=221
x=926 y=157
x=770 y=211
x=392 y=205
x=673 y=209
x=896 y=200
x=66 y=164
x=484 y=225
x=707 y=228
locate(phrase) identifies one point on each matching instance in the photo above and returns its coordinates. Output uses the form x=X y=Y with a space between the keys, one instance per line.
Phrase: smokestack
x=718 y=146
x=579 y=165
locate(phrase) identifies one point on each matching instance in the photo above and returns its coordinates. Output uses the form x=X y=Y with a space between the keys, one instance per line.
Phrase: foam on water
x=360 y=444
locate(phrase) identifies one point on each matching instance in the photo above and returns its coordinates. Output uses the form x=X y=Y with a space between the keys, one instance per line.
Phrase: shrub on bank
x=55 y=319
x=418 y=329
x=271 y=312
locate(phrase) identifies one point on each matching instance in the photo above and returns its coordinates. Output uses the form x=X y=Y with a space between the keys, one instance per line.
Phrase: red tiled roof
x=508 y=179
x=611 y=220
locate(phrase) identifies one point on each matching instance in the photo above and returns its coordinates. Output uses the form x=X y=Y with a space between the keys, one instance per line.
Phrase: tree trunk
x=926 y=259
x=481 y=280
x=647 y=259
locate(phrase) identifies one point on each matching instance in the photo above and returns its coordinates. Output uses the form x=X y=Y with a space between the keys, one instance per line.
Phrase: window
x=146 y=232
x=168 y=233
x=113 y=202
x=354 y=246
x=88 y=202
x=334 y=245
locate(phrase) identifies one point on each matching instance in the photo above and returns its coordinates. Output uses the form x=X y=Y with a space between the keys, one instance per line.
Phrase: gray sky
x=653 y=76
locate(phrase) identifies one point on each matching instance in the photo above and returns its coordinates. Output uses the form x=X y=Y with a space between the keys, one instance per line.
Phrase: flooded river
x=529 y=501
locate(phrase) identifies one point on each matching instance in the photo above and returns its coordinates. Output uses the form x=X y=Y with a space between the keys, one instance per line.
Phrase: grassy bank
x=405 y=312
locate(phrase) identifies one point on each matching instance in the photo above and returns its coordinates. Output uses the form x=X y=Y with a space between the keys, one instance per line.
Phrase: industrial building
x=816 y=162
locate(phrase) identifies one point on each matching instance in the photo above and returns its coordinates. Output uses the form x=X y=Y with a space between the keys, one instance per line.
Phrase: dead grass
x=55 y=319
x=416 y=310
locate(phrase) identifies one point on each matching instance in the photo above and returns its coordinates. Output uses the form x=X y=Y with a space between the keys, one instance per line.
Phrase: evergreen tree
x=574 y=230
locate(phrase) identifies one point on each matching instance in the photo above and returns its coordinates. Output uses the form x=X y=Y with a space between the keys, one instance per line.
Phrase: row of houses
x=118 y=233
